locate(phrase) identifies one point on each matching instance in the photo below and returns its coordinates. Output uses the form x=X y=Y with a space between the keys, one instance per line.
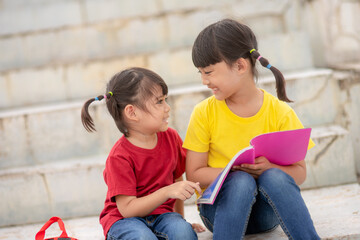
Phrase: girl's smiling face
x=221 y=78
x=157 y=117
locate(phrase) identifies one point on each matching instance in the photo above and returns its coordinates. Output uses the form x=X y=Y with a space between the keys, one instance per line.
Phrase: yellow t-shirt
x=215 y=129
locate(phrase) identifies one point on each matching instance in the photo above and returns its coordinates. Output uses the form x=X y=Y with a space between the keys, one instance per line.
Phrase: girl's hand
x=260 y=166
x=182 y=190
x=198 y=227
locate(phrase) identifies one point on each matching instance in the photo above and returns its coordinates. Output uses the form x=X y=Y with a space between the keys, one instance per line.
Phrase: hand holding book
x=260 y=165
x=281 y=148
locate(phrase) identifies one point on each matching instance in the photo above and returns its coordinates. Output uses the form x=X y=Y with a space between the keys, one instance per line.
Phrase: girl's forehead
x=215 y=65
x=207 y=67
x=156 y=92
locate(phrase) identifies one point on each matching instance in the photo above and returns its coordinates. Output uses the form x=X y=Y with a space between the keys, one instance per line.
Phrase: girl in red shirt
x=145 y=164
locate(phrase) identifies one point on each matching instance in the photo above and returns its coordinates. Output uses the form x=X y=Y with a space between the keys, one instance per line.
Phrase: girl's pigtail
x=86 y=119
x=280 y=81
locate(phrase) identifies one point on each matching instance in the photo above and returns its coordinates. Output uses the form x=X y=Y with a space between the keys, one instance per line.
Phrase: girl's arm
x=198 y=170
x=179 y=208
x=179 y=204
x=131 y=206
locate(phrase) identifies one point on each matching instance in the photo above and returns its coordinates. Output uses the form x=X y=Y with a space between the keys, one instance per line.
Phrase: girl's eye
x=206 y=73
x=161 y=101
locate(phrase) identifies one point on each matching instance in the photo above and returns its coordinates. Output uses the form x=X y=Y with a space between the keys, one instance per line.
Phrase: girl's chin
x=163 y=129
x=218 y=97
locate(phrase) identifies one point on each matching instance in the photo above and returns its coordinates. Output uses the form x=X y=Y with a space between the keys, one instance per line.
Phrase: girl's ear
x=242 y=65
x=130 y=112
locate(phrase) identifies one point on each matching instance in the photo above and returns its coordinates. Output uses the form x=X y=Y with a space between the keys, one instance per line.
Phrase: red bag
x=41 y=234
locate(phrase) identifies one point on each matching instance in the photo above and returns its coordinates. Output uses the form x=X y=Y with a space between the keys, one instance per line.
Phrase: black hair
x=131 y=86
x=228 y=40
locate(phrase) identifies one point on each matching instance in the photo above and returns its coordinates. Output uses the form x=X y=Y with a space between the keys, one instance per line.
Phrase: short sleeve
x=291 y=121
x=198 y=135
x=120 y=177
x=181 y=157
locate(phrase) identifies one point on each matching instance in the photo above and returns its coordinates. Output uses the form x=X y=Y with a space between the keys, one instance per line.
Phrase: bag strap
x=41 y=234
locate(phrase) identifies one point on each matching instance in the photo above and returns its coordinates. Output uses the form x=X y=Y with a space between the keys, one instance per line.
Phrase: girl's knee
x=239 y=185
x=275 y=177
x=174 y=226
x=137 y=233
x=179 y=231
x=130 y=228
x=185 y=231
x=241 y=180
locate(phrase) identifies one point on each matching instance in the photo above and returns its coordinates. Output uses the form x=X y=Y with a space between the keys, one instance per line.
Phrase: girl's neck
x=246 y=102
x=246 y=92
x=146 y=141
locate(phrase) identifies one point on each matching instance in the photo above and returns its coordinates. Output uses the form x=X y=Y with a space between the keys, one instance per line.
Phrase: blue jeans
x=165 y=226
x=245 y=206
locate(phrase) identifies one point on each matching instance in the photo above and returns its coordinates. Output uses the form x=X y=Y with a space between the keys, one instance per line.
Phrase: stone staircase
x=52 y=162
x=49 y=164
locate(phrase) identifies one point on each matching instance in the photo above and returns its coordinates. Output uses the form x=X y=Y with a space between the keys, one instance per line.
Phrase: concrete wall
x=333 y=28
x=64 y=50
x=71 y=48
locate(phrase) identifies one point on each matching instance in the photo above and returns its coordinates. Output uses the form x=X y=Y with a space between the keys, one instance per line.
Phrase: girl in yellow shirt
x=254 y=197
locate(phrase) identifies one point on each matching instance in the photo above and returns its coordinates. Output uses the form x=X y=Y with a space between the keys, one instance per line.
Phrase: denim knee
x=240 y=180
x=275 y=177
x=130 y=228
x=173 y=226
x=184 y=230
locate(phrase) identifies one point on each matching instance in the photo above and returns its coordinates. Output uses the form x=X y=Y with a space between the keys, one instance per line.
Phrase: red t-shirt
x=135 y=171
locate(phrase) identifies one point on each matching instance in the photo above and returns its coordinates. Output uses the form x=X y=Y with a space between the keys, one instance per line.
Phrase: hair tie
x=105 y=96
x=111 y=93
x=96 y=99
x=259 y=58
x=268 y=66
x=252 y=50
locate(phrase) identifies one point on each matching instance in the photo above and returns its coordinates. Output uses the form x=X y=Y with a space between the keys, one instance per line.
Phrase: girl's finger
x=197 y=187
x=197 y=227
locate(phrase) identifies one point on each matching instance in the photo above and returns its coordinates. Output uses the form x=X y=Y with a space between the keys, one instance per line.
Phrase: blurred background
x=55 y=54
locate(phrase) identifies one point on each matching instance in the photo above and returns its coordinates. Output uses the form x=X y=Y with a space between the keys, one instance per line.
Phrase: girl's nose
x=205 y=81
x=167 y=107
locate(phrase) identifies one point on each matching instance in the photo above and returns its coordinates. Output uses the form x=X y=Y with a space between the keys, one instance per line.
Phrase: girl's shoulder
x=280 y=111
x=171 y=131
x=208 y=102
x=275 y=103
x=119 y=155
x=121 y=146
x=207 y=106
x=170 y=134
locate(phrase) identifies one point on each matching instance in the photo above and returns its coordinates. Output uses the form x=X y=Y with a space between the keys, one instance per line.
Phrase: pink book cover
x=281 y=148
x=284 y=147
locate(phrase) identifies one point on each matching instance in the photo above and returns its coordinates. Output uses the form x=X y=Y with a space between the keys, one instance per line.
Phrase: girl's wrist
x=163 y=192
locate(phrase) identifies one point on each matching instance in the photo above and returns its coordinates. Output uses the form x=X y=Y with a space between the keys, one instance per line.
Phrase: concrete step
x=49 y=133
x=349 y=84
x=70 y=188
x=334 y=210
x=75 y=187
x=331 y=161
